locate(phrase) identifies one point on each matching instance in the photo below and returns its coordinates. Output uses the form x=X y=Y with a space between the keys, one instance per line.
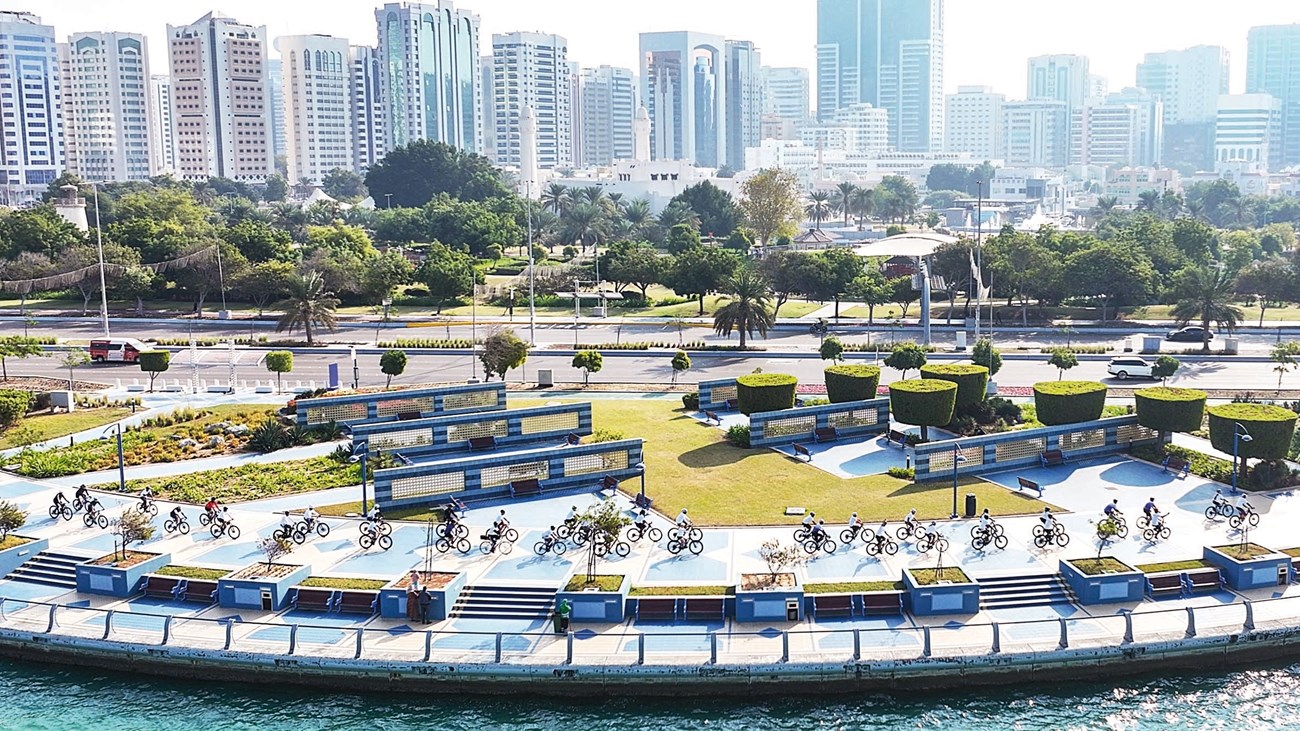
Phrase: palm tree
x=555 y=198
x=843 y=200
x=676 y=213
x=1147 y=200
x=749 y=310
x=637 y=217
x=1195 y=209
x=818 y=208
x=585 y=224
x=863 y=204
x=308 y=303
x=1205 y=294
x=1104 y=205
x=593 y=194
x=1239 y=212
x=1171 y=204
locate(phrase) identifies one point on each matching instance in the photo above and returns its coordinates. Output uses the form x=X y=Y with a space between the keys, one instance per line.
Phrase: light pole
x=389 y=198
x=359 y=454
x=532 y=307
x=957 y=459
x=473 y=333
x=356 y=372
x=99 y=244
x=121 y=459
x=979 y=254
x=1239 y=434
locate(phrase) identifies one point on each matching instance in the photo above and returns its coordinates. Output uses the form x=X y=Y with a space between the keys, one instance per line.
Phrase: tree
x=701 y=270
x=70 y=360
x=448 y=274
x=132 y=527
x=831 y=349
x=39 y=230
x=16 y=346
x=1272 y=279
x=818 y=208
x=556 y=198
x=264 y=283
x=749 y=310
x=681 y=364
x=1119 y=274
x=344 y=185
x=946 y=176
x=1284 y=358
x=906 y=357
x=259 y=241
x=1063 y=359
x=842 y=200
x=784 y=271
x=275 y=548
x=154 y=362
x=604 y=523
x=1164 y=367
x=308 y=303
x=986 y=355
x=382 y=272
x=502 y=351
x=716 y=209
x=902 y=293
x=778 y=558
x=770 y=203
x=134 y=284
x=203 y=277
x=26 y=266
x=277 y=188
x=871 y=289
x=632 y=264
x=863 y=204
x=681 y=237
x=12 y=518
x=590 y=361
x=392 y=363
x=279 y=362
x=1205 y=294
x=896 y=198
x=740 y=240
x=419 y=172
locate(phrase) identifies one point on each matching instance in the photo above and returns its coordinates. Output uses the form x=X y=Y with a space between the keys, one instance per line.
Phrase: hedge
x=1170 y=409
x=760 y=392
x=1068 y=402
x=851 y=383
x=13 y=406
x=1270 y=429
x=972 y=380
x=924 y=402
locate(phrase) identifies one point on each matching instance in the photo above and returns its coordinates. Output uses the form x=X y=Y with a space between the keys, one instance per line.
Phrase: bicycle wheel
x=322 y=529
x=485 y=547
x=385 y=527
x=1062 y=539
x=890 y=547
x=975 y=531
x=204 y=519
x=1165 y=532
x=600 y=549
x=562 y=532
x=1235 y=522
x=368 y=539
x=385 y=542
x=1121 y=530
x=511 y=535
x=829 y=546
x=696 y=547
x=153 y=510
x=183 y=527
x=675 y=532
x=810 y=546
x=800 y=534
x=674 y=546
x=655 y=534
x=1000 y=541
x=903 y=532
x=622 y=549
x=215 y=530
x=942 y=544
x=54 y=512
x=846 y=536
x=505 y=547
x=1040 y=541
x=978 y=543
x=634 y=534
x=102 y=521
x=923 y=546
x=441 y=544
x=88 y=519
x=169 y=525
x=998 y=529
x=873 y=548
x=1039 y=530
x=463 y=546
x=560 y=548
x=696 y=534
x=233 y=532
x=1211 y=513
x=539 y=548
x=1254 y=519
x=299 y=537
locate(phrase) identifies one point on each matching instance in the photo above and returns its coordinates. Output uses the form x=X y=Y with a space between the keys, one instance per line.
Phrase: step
x=489 y=601
x=1004 y=592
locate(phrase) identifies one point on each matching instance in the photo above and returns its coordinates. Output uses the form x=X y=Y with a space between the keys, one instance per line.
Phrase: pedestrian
x=413 y=596
x=426 y=598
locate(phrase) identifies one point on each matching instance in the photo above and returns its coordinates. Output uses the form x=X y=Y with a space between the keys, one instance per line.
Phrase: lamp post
x=356 y=372
x=388 y=301
x=121 y=460
x=979 y=254
x=389 y=198
x=1239 y=434
x=99 y=245
x=957 y=459
x=359 y=454
x=640 y=470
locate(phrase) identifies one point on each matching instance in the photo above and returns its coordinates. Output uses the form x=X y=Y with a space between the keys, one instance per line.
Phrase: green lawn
x=43 y=427
x=249 y=481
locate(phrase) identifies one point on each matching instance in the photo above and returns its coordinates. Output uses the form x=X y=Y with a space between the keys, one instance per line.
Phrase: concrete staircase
x=51 y=568
x=504 y=602
x=1036 y=590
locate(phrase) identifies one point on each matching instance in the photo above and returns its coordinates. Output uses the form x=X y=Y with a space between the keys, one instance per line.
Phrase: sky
x=987 y=41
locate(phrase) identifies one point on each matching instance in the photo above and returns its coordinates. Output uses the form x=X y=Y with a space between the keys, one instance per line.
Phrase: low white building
x=1127 y=183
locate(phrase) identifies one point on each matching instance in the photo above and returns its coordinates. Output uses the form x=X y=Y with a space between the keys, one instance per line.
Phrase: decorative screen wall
x=549 y=422
x=466 y=432
x=724 y=393
x=505 y=474
x=392 y=407
x=405 y=439
x=943 y=460
x=335 y=412
x=469 y=400
x=1077 y=440
x=602 y=462
x=788 y=427
x=857 y=417
x=445 y=483
x=1008 y=451
x=1135 y=433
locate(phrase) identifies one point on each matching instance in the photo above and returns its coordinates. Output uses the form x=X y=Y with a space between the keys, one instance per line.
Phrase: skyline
x=785 y=38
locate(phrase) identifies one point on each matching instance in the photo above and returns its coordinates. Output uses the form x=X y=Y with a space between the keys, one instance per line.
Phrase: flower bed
x=1103 y=581
x=604 y=600
x=16 y=550
x=852 y=587
x=109 y=576
x=327 y=582
x=706 y=590
x=197 y=573
x=259 y=586
x=250 y=481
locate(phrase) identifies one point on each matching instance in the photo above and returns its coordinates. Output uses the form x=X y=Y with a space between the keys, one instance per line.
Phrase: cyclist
x=548 y=539
x=374 y=515
x=1218 y=501
x=449 y=524
x=60 y=502
x=82 y=495
x=641 y=520
x=286 y=524
x=1157 y=520
x=809 y=521
x=177 y=515
x=94 y=507
x=817 y=531
x=1150 y=508
x=1049 y=521
x=986 y=523
x=211 y=507
x=145 y=494
x=683 y=520
x=1112 y=510
x=909 y=520
x=572 y=518
x=309 y=517
x=501 y=523
x=932 y=533
x=881 y=537
x=1243 y=506
x=224 y=517
x=855 y=525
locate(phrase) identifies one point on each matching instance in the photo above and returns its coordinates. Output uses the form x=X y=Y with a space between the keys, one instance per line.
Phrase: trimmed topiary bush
x=1068 y=402
x=1270 y=429
x=851 y=383
x=924 y=402
x=1170 y=409
x=760 y=392
x=972 y=380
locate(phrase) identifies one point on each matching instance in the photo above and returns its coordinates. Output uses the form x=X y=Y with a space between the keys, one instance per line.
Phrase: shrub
x=1199 y=463
x=604 y=435
x=13 y=406
x=392 y=363
x=972 y=380
x=1006 y=410
x=851 y=383
x=279 y=362
x=1272 y=475
x=902 y=473
x=269 y=436
x=154 y=362
x=1068 y=402
x=1170 y=409
x=12 y=518
x=906 y=357
x=738 y=434
x=986 y=355
x=924 y=402
x=1270 y=429
x=760 y=392
x=691 y=401
x=831 y=349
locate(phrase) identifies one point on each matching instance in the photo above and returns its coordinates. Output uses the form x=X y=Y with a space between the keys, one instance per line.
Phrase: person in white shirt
x=683 y=520
x=986 y=522
x=910 y=518
x=286 y=523
x=309 y=516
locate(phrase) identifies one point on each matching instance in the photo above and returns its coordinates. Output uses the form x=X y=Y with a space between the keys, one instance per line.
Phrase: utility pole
x=532 y=307
x=979 y=258
x=99 y=243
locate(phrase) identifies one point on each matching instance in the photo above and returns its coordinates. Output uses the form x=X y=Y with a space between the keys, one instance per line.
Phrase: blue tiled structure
x=715 y=394
x=442 y=434
x=1128 y=586
x=246 y=593
x=1271 y=570
x=386 y=405
x=930 y=599
x=118 y=582
x=12 y=558
x=851 y=418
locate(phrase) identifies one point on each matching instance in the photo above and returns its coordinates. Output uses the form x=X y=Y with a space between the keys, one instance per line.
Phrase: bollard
x=713 y=649
x=1191 y=623
x=640 y=649
x=498 y=656
x=1065 y=635
x=1128 y=628
x=925 y=630
x=230 y=634
x=997 y=639
x=167 y=630
x=857 y=644
x=50 y=627
x=785 y=646
x=428 y=645
x=360 y=631
x=293 y=638
x=1249 y=626
x=568 y=657
x=108 y=624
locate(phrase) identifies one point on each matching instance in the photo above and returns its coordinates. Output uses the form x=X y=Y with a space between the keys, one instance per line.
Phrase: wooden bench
x=832 y=605
x=884 y=602
x=479 y=444
x=1052 y=458
x=1024 y=483
x=643 y=502
x=656 y=609
x=802 y=451
x=711 y=416
x=731 y=404
x=314 y=600
x=1202 y=580
x=1175 y=464
x=703 y=609
x=161 y=587
x=199 y=591
x=896 y=437
x=525 y=488
x=826 y=434
x=1162 y=585
x=357 y=602
x=408 y=415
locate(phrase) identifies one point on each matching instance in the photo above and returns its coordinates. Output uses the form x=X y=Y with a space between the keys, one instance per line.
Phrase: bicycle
x=95 y=517
x=1058 y=536
x=1151 y=535
x=452 y=530
x=619 y=548
x=385 y=541
x=1219 y=509
x=492 y=544
x=994 y=526
x=217 y=528
x=989 y=537
x=557 y=546
x=1121 y=527
x=58 y=510
x=819 y=541
x=802 y=533
x=1245 y=515
x=881 y=544
x=909 y=530
x=461 y=545
x=681 y=542
x=852 y=533
x=691 y=534
x=177 y=525
x=301 y=530
x=381 y=526
x=147 y=507
x=931 y=540
x=635 y=534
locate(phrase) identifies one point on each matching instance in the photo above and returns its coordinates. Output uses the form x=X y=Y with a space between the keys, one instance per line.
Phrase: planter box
x=119 y=582
x=15 y=556
x=1121 y=587
x=774 y=604
x=1273 y=569
x=597 y=606
x=444 y=586
x=245 y=589
x=948 y=598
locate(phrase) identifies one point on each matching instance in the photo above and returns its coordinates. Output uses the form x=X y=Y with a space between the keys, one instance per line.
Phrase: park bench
x=479 y=444
x=1024 y=483
x=1052 y=457
x=357 y=602
x=408 y=415
x=1208 y=579
x=161 y=587
x=1162 y=585
x=656 y=609
x=883 y=602
x=826 y=434
x=525 y=488
x=896 y=437
x=731 y=404
x=703 y=609
x=832 y=605
x=199 y=591
x=1176 y=464
x=313 y=600
x=712 y=416
x=802 y=451
x=573 y=439
x=643 y=502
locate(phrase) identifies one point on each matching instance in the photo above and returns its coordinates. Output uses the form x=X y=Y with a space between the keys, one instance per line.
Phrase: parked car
x=1188 y=334
x=1129 y=367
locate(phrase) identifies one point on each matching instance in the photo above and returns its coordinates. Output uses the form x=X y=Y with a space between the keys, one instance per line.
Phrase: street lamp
x=359 y=454
x=957 y=459
x=356 y=372
x=640 y=470
x=388 y=301
x=121 y=460
x=1239 y=434
x=389 y=198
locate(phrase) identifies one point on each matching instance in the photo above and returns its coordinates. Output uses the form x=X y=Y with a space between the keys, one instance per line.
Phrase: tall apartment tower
x=487 y=108
x=162 y=133
x=887 y=53
x=608 y=102
x=1248 y=134
x=974 y=122
x=575 y=113
x=684 y=89
x=366 y=108
x=1036 y=133
x=1062 y=78
x=31 y=138
x=786 y=93
x=221 y=100
x=744 y=100
x=106 y=106
x=532 y=70
x=279 y=118
x=316 y=82
x=1273 y=67
x=1188 y=83
x=430 y=72
x=1125 y=128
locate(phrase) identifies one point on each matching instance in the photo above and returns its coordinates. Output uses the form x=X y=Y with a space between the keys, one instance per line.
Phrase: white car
x=1129 y=367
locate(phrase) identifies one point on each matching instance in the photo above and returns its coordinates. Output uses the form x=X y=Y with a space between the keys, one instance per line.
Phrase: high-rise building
x=973 y=122
x=608 y=104
x=366 y=109
x=1188 y=83
x=1062 y=78
x=1125 y=128
x=859 y=129
x=317 y=86
x=31 y=153
x=887 y=53
x=487 y=109
x=575 y=113
x=532 y=70
x=162 y=134
x=106 y=101
x=786 y=93
x=684 y=89
x=430 y=71
x=220 y=100
x=1248 y=134
x=744 y=99
x=279 y=118
x=1273 y=67
x=1036 y=133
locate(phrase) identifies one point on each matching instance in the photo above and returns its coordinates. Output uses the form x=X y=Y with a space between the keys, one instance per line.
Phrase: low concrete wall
x=1271 y=570
x=851 y=418
x=1129 y=586
x=931 y=599
x=597 y=606
x=247 y=593
x=12 y=558
x=118 y=582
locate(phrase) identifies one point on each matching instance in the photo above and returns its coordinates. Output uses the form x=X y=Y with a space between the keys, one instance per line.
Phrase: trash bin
x=560 y=621
x=1230 y=346
x=970 y=505
x=267 y=604
x=792 y=610
x=545 y=377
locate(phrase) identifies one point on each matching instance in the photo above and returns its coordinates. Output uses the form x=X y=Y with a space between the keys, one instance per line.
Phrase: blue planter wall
x=113 y=581
x=1252 y=574
x=12 y=558
x=1129 y=586
x=767 y=605
x=932 y=599
x=392 y=599
x=247 y=593
x=597 y=606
